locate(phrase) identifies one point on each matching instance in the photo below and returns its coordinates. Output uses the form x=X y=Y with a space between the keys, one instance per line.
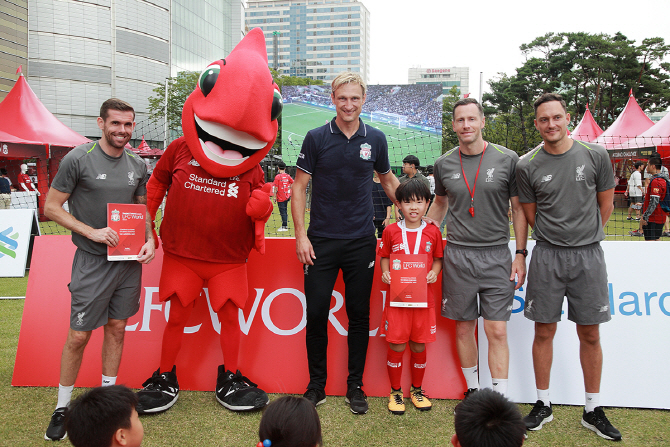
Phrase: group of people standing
x=563 y=189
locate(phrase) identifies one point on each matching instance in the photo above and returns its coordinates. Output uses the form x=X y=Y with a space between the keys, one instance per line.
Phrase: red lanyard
x=472 y=192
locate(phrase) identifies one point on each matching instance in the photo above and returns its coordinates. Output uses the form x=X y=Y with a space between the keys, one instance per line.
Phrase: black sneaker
x=237 y=393
x=315 y=396
x=160 y=392
x=538 y=416
x=469 y=391
x=597 y=421
x=357 y=400
x=56 y=429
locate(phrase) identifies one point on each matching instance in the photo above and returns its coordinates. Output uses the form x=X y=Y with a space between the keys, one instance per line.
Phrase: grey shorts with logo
x=102 y=290
x=468 y=271
x=578 y=273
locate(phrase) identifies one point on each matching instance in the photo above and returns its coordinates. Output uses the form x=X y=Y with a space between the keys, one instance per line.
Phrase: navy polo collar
x=362 y=129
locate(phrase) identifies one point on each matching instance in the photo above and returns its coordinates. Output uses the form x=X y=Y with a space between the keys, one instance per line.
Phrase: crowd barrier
x=636 y=352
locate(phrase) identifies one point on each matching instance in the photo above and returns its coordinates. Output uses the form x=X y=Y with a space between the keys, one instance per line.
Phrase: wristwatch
x=523 y=252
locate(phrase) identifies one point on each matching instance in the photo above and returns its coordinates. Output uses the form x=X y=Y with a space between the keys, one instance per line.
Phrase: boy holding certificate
x=407 y=247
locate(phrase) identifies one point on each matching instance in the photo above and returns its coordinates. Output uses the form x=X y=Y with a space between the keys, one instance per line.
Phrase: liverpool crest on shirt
x=366 y=151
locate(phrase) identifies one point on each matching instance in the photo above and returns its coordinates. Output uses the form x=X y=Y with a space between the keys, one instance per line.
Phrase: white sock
x=471 y=377
x=108 y=380
x=592 y=401
x=64 y=395
x=500 y=385
x=543 y=395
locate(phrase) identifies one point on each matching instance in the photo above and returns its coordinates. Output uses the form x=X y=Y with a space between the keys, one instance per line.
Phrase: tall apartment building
x=317 y=39
x=447 y=76
x=13 y=42
x=83 y=52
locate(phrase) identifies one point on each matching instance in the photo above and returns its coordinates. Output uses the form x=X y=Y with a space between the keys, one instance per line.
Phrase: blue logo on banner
x=8 y=242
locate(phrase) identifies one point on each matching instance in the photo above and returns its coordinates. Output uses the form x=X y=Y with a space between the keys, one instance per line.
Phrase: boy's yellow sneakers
x=396 y=402
x=419 y=399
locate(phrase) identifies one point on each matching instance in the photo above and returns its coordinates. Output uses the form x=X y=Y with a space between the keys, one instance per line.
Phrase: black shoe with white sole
x=160 y=392
x=597 y=421
x=538 y=416
x=56 y=429
x=237 y=393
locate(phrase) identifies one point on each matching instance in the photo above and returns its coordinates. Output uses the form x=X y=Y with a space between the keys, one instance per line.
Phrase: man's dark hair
x=412 y=189
x=3 y=171
x=92 y=419
x=281 y=165
x=656 y=162
x=291 y=422
x=115 y=104
x=638 y=164
x=412 y=160
x=548 y=97
x=488 y=419
x=465 y=102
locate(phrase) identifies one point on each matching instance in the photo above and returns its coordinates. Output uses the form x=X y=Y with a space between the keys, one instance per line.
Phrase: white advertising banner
x=15 y=228
x=635 y=343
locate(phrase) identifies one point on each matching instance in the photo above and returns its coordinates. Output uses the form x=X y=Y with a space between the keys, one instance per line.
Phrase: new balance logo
x=546 y=178
x=101 y=177
x=455 y=176
x=420 y=365
x=193 y=162
x=394 y=365
x=604 y=308
x=372 y=264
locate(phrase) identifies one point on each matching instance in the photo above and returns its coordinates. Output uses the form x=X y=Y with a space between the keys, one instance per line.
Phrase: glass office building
x=316 y=38
x=83 y=52
x=13 y=42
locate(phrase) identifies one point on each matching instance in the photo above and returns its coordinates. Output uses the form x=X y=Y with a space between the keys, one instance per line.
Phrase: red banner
x=272 y=351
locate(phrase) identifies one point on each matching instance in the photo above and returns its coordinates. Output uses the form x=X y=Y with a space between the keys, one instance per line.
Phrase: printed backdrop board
x=636 y=352
x=15 y=229
x=273 y=324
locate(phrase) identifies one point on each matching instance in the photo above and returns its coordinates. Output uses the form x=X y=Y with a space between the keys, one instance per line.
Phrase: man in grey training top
x=103 y=293
x=474 y=185
x=566 y=188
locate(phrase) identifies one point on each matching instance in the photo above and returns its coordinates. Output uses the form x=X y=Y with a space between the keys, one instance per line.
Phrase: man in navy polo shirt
x=339 y=157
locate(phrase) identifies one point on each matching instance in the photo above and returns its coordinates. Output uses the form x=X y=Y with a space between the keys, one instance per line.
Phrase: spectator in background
x=5 y=190
x=410 y=169
x=488 y=419
x=281 y=188
x=290 y=422
x=382 y=204
x=634 y=191
x=647 y=179
x=104 y=417
x=654 y=216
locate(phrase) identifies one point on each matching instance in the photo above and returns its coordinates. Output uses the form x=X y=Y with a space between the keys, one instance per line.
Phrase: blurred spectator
x=290 y=422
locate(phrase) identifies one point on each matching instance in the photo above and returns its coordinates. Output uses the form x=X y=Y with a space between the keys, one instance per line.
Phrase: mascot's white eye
x=208 y=78
x=277 y=105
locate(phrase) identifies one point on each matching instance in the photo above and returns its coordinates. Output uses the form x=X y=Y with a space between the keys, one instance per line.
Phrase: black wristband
x=523 y=252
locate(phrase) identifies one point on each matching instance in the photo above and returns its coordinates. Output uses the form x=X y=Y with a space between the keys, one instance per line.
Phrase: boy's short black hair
x=281 y=165
x=291 y=422
x=488 y=419
x=412 y=189
x=92 y=419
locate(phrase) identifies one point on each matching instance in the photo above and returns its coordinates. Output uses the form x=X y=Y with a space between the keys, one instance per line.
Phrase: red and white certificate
x=409 y=287
x=129 y=222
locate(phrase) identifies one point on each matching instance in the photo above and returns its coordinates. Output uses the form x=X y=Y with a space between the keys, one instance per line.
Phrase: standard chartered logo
x=8 y=243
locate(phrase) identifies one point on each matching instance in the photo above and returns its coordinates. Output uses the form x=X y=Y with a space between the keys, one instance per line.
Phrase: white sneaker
x=282 y=229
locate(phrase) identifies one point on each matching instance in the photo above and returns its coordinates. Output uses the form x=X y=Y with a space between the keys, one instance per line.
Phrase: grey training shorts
x=469 y=271
x=102 y=290
x=578 y=273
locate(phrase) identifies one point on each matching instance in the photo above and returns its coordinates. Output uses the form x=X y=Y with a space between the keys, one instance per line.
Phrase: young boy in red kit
x=405 y=324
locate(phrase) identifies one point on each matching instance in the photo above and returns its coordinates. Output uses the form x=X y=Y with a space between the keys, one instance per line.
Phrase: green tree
x=449 y=137
x=179 y=89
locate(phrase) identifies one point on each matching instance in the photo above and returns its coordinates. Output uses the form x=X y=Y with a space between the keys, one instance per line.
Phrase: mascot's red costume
x=215 y=213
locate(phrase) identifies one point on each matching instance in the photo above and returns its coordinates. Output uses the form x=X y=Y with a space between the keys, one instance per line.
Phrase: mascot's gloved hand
x=155 y=195
x=259 y=208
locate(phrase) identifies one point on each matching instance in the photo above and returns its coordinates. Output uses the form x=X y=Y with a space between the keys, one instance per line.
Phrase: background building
x=316 y=39
x=448 y=77
x=80 y=53
x=13 y=42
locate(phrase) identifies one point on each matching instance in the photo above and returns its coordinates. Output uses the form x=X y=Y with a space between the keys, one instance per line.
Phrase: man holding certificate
x=411 y=259
x=103 y=293
x=474 y=186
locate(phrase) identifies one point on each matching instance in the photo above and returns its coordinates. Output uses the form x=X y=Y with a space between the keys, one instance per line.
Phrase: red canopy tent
x=29 y=130
x=587 y=129
x=655 y=138
x=630 y=123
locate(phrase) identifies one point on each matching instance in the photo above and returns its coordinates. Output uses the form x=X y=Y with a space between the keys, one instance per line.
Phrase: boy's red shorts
x=402 y=324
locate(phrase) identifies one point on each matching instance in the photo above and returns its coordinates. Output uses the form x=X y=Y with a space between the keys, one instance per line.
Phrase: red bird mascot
x=215 y=213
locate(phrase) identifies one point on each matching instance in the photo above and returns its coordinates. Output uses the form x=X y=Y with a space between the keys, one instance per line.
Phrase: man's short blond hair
x=348 y=77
